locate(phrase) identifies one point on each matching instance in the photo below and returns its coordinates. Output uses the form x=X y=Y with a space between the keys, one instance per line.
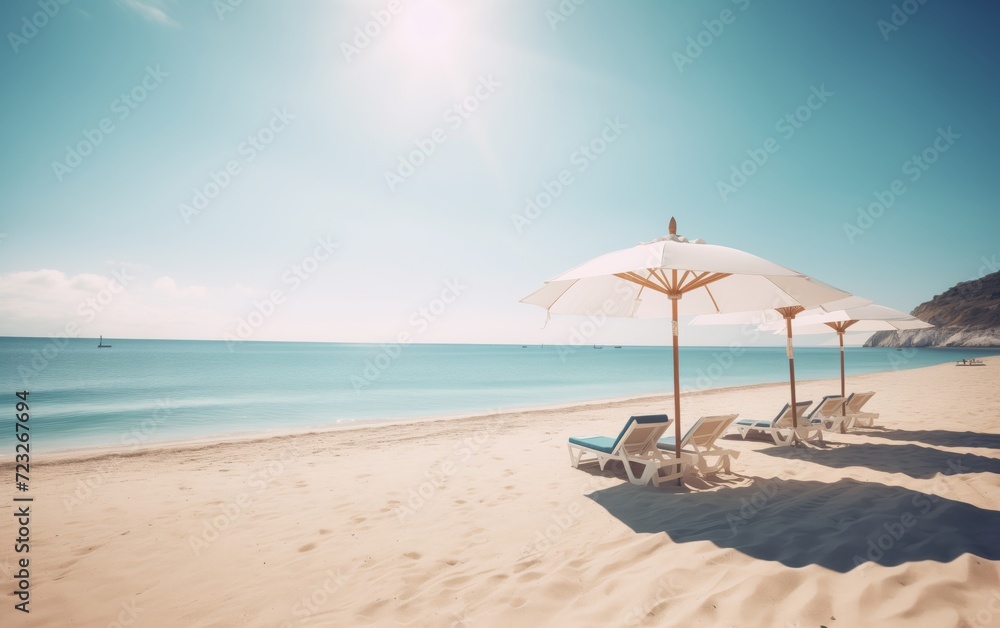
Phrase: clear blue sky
x=313 y=119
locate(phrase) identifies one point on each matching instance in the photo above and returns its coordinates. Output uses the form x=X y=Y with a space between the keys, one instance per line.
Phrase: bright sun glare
x=429 y=31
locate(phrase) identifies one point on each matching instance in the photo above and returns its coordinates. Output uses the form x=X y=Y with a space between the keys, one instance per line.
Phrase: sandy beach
x=301 y=303
x=483 y=522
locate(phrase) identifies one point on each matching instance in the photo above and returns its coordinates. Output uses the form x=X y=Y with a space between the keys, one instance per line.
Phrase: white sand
x=329 y=528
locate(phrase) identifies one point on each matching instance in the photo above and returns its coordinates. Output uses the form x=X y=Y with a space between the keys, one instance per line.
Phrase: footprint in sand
x=530 y=576
x=413 y=555
x=518 y=568
x=324 y=531
x=458 y=582
x=517 y=602
x=307 y=547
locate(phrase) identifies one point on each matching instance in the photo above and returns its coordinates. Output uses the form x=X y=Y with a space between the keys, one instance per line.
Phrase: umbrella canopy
x=871 y=318
x=779 y=319
x=673 y=276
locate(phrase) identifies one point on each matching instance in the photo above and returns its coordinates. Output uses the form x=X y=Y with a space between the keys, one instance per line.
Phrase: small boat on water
x=101 y=345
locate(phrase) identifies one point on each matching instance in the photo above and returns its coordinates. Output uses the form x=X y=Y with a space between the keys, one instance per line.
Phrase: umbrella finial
x=673 y=226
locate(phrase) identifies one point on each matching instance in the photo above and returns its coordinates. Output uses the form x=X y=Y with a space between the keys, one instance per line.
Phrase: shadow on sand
x=838 y=525
x=941 y=438
x=913 y=460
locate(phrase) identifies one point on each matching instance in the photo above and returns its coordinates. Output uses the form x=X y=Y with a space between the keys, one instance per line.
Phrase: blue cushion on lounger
x=669 y=442
x=755 y=423
x=606 y=444
x=598 y=443
x=759 y=423
x=809 y=416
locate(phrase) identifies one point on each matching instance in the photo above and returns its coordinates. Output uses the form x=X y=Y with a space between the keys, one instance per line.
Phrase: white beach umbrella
x=673 y=276
x=781 y=319
x=870 y=318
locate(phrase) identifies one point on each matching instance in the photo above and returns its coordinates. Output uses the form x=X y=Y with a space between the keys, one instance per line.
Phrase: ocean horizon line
x=780 y=344
x=154 y=390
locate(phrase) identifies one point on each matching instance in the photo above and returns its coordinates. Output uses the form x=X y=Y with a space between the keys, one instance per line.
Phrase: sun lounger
x=857 y=416
x=972 y=362
x=780 y=427
x=828 y=414
x=635 y=444
x=699 y=443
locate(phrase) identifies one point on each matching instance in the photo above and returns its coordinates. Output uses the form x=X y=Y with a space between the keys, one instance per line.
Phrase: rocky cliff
x=966 y=315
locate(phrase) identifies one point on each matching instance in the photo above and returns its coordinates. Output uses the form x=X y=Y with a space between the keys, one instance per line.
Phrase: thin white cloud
x=86 y=282
x=148 y=11
x=169 y=287
x=246 y=290
x=44 y=302
x=30 y=295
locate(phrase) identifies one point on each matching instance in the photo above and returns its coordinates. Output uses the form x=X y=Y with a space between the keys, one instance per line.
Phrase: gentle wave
x=144 y=391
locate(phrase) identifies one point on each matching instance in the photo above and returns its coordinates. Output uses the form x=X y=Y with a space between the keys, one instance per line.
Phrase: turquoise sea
x=147 y=391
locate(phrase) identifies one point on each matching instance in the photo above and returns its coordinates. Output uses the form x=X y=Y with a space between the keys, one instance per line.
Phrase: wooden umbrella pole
x=840 y=327
x=789 y=313
x=843 y=388
x=791 y=371
x=677 y=383
x=675 y=294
